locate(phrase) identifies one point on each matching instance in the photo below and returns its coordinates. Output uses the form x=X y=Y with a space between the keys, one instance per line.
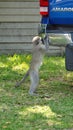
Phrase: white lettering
x=63 y=9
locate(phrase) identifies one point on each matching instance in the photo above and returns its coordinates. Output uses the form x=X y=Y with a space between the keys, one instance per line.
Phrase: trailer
x=57 y=17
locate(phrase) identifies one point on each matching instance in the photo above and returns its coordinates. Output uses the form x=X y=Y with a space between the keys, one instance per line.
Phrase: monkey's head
x=38 y=41
x=42 y=43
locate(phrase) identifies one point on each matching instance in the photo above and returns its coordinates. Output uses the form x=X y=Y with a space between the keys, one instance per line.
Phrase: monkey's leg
x=34 y=78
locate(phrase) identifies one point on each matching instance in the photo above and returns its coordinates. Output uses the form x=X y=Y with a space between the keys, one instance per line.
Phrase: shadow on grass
x=18 y=110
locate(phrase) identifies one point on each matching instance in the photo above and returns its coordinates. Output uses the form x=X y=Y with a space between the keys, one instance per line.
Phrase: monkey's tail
x=22 y=80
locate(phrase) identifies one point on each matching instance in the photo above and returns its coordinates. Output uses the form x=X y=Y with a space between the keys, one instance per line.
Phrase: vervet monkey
x=38 y=52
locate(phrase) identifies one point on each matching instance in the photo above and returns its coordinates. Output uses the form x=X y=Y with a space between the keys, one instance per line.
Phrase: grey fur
x=38 y=52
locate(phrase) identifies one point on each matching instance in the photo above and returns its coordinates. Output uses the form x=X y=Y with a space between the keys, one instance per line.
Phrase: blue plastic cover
x=60 y=12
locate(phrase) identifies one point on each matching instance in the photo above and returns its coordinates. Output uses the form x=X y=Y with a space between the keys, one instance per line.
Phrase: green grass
x=51 y=110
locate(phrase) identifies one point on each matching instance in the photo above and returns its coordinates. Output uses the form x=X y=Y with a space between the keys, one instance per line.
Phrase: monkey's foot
x=33 y=94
